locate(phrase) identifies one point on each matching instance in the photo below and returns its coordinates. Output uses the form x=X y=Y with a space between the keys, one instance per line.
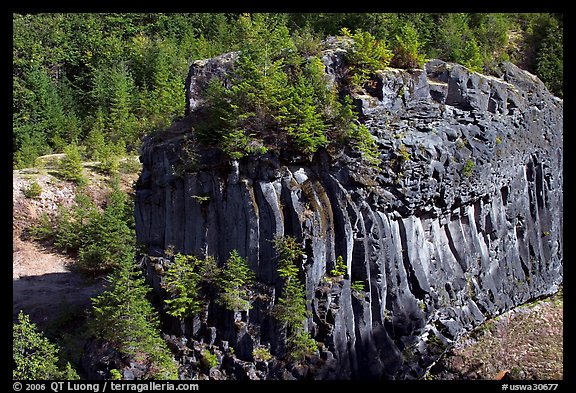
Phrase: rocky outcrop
x=461 y=221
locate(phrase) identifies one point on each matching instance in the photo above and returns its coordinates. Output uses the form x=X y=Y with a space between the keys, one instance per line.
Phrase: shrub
x=301 y=345
x=340 y=268
x=349 y=131
x=281 y=99
x=209 y=270
x=130 y=164
x=404 y=153
x=261 y=354
x=33 y=191
x=115 y=375
x=210 y=360
x=407 y=50
x=468 y=168
x=367 y=55
x=99 y=238
x=357 y=286
x=472 y=57
x=550 y=60
x=43 y=229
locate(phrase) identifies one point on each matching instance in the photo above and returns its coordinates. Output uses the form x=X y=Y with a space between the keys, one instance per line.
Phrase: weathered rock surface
x=466 y=227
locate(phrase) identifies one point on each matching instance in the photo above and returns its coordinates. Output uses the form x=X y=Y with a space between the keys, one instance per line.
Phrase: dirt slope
x=43 y=285
x=527 y=341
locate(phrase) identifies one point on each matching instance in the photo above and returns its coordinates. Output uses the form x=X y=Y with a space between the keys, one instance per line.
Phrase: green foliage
x=291 y=310
x=209 y=359
x=407 y=49
x=43 y=229
x=357 y=286
x=307 y=41
x=183 y=286
x=33 y=356
x=209 y=270
x=550 y=60
x=288 y=251
x=33 y=191
x=70 y=223
x=367 y=55
x=340 y=268
x=404 y=153
x=300 y=346
x=472 y=57
x=455 y=33
x=300 y=117
x=130 y=164
x=277 y=99
x=108 y=156
x=124 y=316
x=234 y=283
x=265 y=100
x=100 y=239
x=70 y=167
x=468 y=168
x=115 y=375
x=187 y=276
x=107 y=237
x=122 y=75
x=261 y=354
x=349 y=131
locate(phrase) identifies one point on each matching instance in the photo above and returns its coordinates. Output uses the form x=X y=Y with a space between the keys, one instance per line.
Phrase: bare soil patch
x=527 y=341
x=44 y=285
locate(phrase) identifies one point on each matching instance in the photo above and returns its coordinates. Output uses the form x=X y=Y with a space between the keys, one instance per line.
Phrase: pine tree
x=34 y=356
x=182 y=283
x=124 y=316
x=454 y=33
x=407 y=50
x=123 y=124
x=366 y=56
x=70 y=167
x=100 y=239
x=234 y=283
x=550 y=60
x=107 y=237
x=472 y=58
x=304 y=114
x=291 y=310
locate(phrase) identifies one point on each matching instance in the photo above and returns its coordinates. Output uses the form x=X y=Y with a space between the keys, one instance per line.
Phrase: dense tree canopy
x=102 y=81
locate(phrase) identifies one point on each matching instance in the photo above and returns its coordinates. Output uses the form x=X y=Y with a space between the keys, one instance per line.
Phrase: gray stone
x=433 y=246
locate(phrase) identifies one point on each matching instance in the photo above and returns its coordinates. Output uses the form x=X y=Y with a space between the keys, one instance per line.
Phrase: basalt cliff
x=460 y=221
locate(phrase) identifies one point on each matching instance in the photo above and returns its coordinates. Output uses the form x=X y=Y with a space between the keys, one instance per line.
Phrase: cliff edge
x=460 y=221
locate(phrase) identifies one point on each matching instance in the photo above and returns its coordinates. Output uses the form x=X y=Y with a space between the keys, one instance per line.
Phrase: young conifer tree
x=125 y=317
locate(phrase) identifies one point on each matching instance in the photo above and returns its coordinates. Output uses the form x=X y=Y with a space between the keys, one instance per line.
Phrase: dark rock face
x=466 y=226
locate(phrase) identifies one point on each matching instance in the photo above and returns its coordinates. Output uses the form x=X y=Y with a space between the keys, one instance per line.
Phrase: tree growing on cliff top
x=366 y=56
x=407 y=48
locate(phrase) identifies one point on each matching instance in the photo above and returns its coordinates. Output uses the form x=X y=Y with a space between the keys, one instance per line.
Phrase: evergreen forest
x=99 y=82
